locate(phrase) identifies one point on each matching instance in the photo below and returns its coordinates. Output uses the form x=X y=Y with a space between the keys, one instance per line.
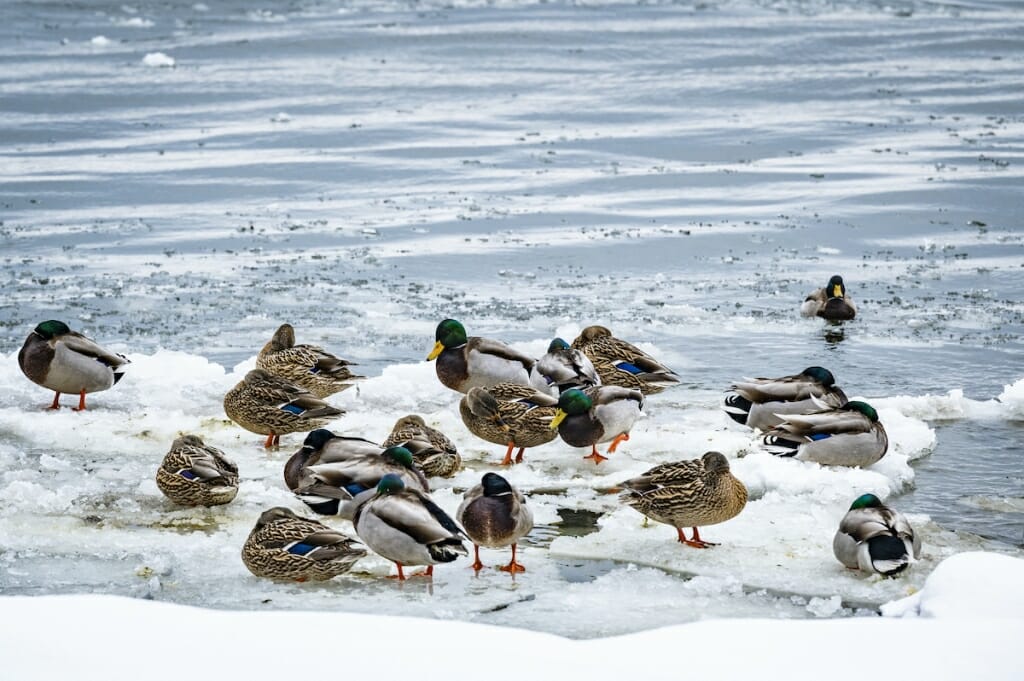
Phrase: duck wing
x=82 y=345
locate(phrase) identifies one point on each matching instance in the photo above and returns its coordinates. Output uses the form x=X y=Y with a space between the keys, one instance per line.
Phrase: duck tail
x=447 y=550
x=737 y=407
x=888 y=555
x=780 y=446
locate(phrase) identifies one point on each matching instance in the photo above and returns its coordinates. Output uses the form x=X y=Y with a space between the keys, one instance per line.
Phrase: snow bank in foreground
x=968 y=586
x=105 y=637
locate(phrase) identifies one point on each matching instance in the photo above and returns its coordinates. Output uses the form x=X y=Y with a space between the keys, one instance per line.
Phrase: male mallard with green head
x=434 y=453
x=875 y=538
x=762 y=403
x=688 y=494
x=604 y=413
x=195 y=474
x=494 y=514
x=307 y=366
x=405 y=526
x=850 y=435
x=474 y=362
x=620 y=363
x=286 y=547
x=565 y=367
x=831 y=302
x=269 y=405
x=64 y=361
x=510 y=414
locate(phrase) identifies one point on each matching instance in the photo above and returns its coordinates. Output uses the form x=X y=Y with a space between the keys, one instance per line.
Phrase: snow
x=968 y=586
x=158 y=60
x=103 y=637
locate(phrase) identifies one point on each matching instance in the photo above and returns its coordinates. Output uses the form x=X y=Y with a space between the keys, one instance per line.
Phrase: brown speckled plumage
x=307 y=366
x=612 y=355
x=196 y=474
x=509 y=414
x=328 y=553
x=266 y=404
x=687 y=493
x=433 y=452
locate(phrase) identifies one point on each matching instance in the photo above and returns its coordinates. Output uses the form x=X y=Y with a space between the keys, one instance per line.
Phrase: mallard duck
x=474 y=362
x=688 y=494
x=269 y=405
x=434 y=453
x=333 y=474
x=405 y=526
x=830 y=302
x=494 y=514
x=761 y=403
x=307 y=366
x=874 y=538
x=850 y=435
x=603 y=413
x=284 y=546
x=620 y=363
x=195 y=474
x=565 y=367
x=509 y=414
x=64 y=361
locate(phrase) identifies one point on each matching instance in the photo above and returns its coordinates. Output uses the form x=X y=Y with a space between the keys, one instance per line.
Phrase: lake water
x=683 y=173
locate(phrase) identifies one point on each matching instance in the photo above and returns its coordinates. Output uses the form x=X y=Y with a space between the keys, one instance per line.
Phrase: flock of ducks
x=587 y=393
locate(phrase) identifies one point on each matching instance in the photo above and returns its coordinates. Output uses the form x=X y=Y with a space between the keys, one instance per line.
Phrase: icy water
x=682 y=173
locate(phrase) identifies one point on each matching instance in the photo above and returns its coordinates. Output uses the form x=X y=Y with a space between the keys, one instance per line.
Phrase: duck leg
x=81 y=402
x=595 y=456
x=697 y=542
x=513 y=567
x=621 y=437
x=477 y=565
x=519 y=455
x=401 y=575
x=271 y=441
x=429 y=572
x=507 y=461
x=56 y=402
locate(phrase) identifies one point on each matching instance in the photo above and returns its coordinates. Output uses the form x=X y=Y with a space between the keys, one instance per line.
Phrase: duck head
x=450 y=334
x=571 y=403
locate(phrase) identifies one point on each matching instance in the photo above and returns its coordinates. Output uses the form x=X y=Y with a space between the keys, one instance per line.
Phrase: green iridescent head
x=558 y=344
x=450 y=333
x=821 y=375
x=399 y=455
x=863 y=408
x=390 y=484
x=574 y=401
x=866 y=501
x=51 y=328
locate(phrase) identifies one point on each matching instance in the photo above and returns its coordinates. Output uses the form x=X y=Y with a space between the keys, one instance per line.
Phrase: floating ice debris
x=280 y=117
x=201 y=7
x=133 y=22
x=158 y=60
x=828 y=250
x=369 y=231
x=100 y=40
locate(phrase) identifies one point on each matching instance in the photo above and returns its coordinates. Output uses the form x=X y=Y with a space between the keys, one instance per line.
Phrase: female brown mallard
x=64 y=361
x=688 y=494
x=269 y=405
x=830 y=302
x=494 y=514
x=307 y=366
x=510 y=414
x=623 y=364
x=604 y=413
x=474 y=362
x=762 y=403
x=284 y=546
x=195 y=474
x=333 y=474
x=434 y=453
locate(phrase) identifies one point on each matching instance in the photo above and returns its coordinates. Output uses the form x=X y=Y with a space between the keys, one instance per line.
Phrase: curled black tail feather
x=447 y=550
x=738 y=408
x=888 y=554
x=781 y=446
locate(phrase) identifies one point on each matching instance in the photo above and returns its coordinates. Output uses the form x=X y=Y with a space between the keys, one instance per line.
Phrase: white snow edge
x=111 y=637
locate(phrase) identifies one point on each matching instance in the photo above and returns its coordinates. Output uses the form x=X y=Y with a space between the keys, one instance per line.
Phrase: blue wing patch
x=291 y=408
x=820 y=436
x=629 y=368
x=301 y=549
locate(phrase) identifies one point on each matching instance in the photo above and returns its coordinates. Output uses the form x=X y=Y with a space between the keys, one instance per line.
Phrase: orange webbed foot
x=620 y=438
x=512 y=567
